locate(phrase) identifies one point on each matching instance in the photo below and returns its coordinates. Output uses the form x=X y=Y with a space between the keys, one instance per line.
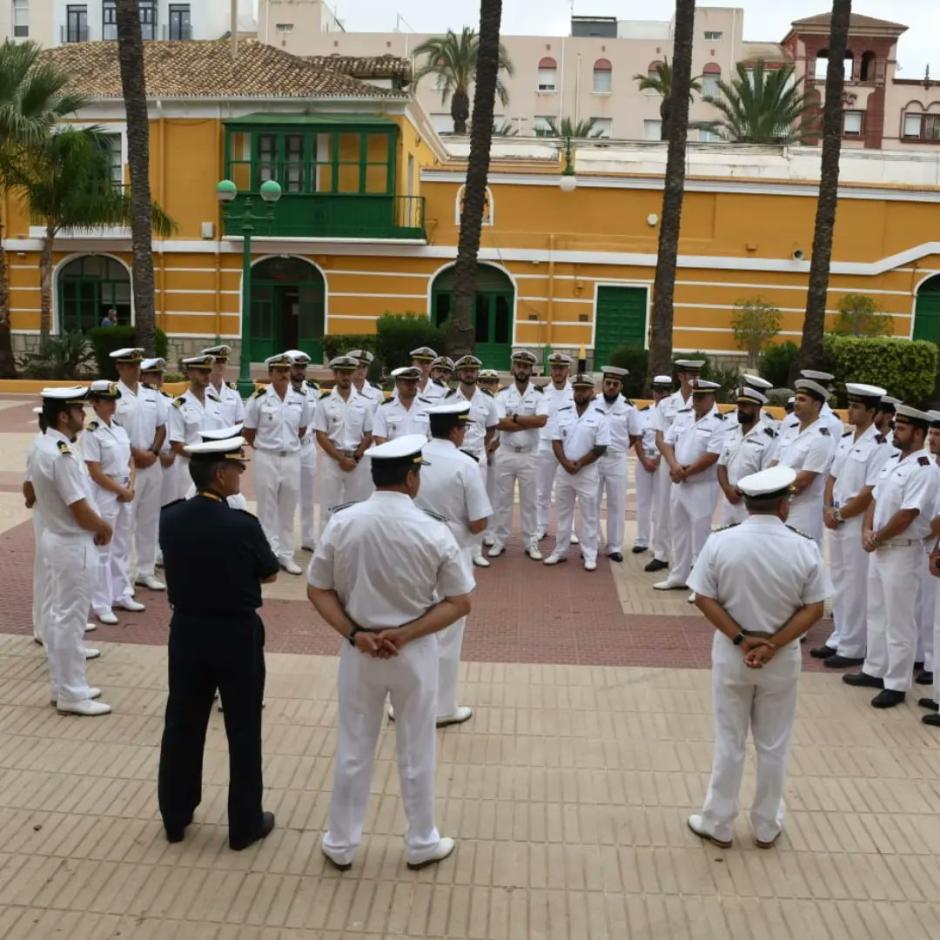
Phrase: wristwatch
x=837 y=514
x=351 y=636
x=738 y=640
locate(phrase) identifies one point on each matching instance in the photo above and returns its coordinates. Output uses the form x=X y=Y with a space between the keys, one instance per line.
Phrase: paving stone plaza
x=567 y=792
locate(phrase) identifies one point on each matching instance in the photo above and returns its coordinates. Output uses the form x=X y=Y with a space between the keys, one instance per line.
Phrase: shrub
x=106 y=339
x=907 y=368
x=776 y=361
x=69 y=356
x=754 y=323
x=859 y=316
x=635 y=360
x=337 y=344
x=398 y=333
x=726 y=378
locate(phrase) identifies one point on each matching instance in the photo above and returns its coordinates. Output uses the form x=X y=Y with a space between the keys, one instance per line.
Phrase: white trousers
x=308 y=478
x=926 y=598
x=145 y=516
x=546 y=470
x=410 y=680
x=112 y=582
x=662 y=523
x=72 y=566
x=277 y=487
x=40 y=577
x=182 y=480
x=690 y=513
x=612 y=478
x=582 y=488
x=936 y=646
x=730 y=513
x=491 y=493
x=645 y=483
x=893 y=576
x=168 y=486
x=337 y=486
x=449 y=646
x=848 y=564
x=764 y=701
x=511 y=467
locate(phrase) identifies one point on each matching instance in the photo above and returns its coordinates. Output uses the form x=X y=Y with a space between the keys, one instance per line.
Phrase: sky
x=766 y=20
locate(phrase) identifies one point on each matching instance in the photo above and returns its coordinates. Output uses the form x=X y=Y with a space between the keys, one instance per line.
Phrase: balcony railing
x=324 y=215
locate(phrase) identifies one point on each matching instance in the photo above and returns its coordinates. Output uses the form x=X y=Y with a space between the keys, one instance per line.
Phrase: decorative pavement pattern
x=568 y=791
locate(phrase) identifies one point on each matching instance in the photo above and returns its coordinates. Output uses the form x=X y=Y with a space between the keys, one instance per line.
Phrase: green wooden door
x=312 y=314
x=288 y=303
x=620 y=320
x=927 y=312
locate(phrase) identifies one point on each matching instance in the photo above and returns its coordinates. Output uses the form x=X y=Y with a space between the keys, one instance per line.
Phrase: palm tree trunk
x=461 y=332
x=665 y=122
x=131 y=57
x=814 y=322
x=45 y=287
x=664 y=285
x=7 y=362
x=460 y=110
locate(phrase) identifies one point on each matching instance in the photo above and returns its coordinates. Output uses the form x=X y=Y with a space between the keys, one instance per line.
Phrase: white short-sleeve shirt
x=345 y=421
x=693 y=437
x=140 y=413
x=747 y=453
x=529 y=402
x=624 y=421
x=857 y=463
x=811 y=449
x=189 y=416
x=277 y=421
x=580 y=434
x=60 y=480
x=483 y=418
x=555 y=398
x=392 y=419
x=109 y=446
x=909 y=482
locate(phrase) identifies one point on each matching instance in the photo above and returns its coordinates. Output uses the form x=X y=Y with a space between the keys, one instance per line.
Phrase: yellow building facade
x=368 y=224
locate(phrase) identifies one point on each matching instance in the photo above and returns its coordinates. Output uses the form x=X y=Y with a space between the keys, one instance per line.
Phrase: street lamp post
x=226 y=191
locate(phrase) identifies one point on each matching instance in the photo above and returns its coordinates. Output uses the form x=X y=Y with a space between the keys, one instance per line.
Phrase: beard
x=610 y=399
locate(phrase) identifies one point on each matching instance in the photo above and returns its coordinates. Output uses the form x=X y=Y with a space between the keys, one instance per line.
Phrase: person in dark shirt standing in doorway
x=216 y=559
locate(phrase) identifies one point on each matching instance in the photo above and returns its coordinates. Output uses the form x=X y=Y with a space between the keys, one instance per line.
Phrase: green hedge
x=776 y=361
x=906 y=368
x=635 y=360
x=398 y=333
x=105 y=339
x=338 y=344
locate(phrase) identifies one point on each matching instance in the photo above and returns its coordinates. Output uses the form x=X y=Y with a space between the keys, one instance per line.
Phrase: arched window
x=548 y=74
x=867 y=70
x=653 y=70
x=89 y=286
x=603 y=73
x=711 y=75
x=822 y=65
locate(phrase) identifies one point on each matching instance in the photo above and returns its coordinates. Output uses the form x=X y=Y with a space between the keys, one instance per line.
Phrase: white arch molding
x=487 y=222
x=282 y=256
x=485 y=263
x=56 y=270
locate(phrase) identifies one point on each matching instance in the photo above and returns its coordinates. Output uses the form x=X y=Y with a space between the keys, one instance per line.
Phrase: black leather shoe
x=863 y=679
x=842 y=662
x=656 y=565
x=176 y=833
x=615 y=556
x=924 y=677
x=933 y=720
x=639 y=549
x=918 y=666
x=887 y=698
x=822 y=652
x=929 y=704
x=267 y=825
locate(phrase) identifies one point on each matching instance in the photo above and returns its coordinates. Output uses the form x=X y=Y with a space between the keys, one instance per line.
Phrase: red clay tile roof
x=365 y=67
x=858 y=21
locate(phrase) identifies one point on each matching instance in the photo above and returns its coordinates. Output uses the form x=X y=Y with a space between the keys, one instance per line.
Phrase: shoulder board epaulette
x=311 y=384
x=339 y=508
x=439 y=383
x=923 y=461
x=825 y=433
x=93 y=426
x=539 y=388
x=258 y=392
x=793 y=528
x=847 y=433
x=486 y=391
x=452 y=391
x=646 y=408
x=148 y=385
x=473 y=457
x=233 y=386
x=627 y=400
x=435 y=515
x=566 y=408
x=388 y=401
x=427 y=401
x=770 y=432
x=879 y=438
x=213 y=397
x=722 y=528
x=324 y=394
x=178 y=402
x=63 y=448
x=720 y=416
x=165 y=394
x=679 y=411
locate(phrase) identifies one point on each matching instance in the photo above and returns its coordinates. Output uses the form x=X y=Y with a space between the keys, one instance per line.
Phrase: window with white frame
x=543 y=123
x=601 y=127
x=912 y=124
x=603 y=75
x=712 y=34
x=919 y=126
x=852 y=123
x=711 y=76
x=21 y=19
x=111 y=143
x=548 y=74
x=707 y=136
x=652 y=130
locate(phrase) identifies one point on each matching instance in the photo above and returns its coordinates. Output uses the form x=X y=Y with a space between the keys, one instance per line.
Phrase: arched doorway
x=88 y=287
x=288 y=306
x=927 y=311
x=495 y=302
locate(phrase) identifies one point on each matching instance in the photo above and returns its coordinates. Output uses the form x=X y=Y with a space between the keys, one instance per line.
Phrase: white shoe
x=697 y=825
x=391 y=713
x=159 y=562
x=128 y=603
x=90 y=626
x=489 y=541
x=480 y=561
x=691 y=598
x=92 y=693
x=462 y=714
x=85 y=707
x=590 y=564
x=533 y=551
x=574 y=539
x=290 y=566
x=496 y=550
x=668 y=585
x=444 y=848
x=308 y=547
x=554 y=559
x=151 y=583
x=91 y=652
x=109 y=617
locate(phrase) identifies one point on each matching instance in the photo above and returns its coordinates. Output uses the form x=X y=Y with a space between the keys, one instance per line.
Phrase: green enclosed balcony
x=337 y=176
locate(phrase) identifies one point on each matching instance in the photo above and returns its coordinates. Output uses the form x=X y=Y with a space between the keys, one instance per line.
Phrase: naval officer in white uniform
x=556 y=394
x=405 y=412
x=387 y=577
x=646 y=480
x=762 y=585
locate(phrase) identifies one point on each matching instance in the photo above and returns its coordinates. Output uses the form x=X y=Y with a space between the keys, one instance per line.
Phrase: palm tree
x=460 y=335
x=811 y=347
x=32 y=99
x=660 y=80
x=66 y=185
x=760 y=106
x=453 y=59
x=664 y=284
x=505 y=129
x=568 y=129
x=131 y=58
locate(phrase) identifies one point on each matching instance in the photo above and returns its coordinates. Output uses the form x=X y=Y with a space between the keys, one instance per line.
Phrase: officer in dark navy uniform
x=216 y=559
